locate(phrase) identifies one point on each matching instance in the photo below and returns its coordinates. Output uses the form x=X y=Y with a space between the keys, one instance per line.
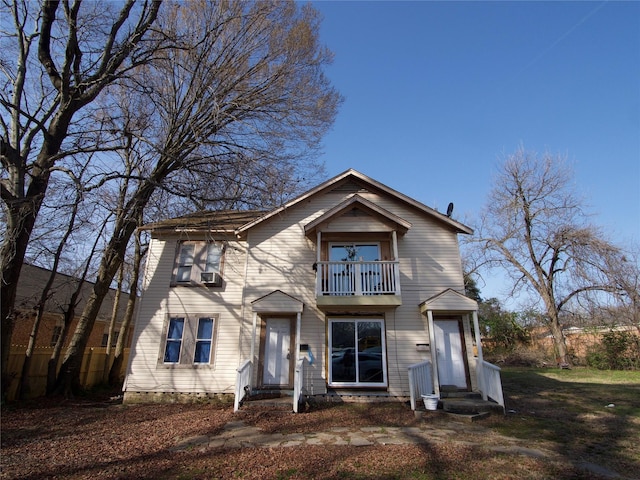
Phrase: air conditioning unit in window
x=212 y=279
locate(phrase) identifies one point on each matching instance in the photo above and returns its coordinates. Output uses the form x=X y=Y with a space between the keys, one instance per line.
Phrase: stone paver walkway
x=237 y=434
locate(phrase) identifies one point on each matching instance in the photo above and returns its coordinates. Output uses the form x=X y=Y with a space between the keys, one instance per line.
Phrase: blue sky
x=436 y=93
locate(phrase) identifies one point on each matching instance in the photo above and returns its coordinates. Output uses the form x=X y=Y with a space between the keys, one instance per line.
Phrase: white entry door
x=276 y=352
x=449 y=353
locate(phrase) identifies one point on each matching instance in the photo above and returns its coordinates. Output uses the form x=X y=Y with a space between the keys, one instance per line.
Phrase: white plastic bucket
x=430 y=401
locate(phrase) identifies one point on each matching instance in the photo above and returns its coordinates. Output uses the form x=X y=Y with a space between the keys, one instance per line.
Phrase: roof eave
x=457 y=226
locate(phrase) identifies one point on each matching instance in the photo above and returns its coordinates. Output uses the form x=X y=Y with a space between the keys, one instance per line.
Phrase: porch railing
x=358 y=278
x=243 y=383
x=492 y=383
x=420 y=381
x=297 y=383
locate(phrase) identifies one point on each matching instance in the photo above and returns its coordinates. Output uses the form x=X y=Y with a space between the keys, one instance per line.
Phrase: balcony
x=360 y=283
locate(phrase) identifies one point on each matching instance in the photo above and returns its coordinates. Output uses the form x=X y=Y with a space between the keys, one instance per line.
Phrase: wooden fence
x=92 y=372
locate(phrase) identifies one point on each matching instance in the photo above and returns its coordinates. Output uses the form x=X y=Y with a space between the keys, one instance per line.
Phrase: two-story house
x=335 y=294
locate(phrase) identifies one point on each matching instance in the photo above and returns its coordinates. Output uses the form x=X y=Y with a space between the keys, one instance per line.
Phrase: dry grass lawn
x=558 y=412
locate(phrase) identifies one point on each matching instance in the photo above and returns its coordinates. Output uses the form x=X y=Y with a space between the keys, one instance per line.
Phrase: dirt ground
x=102 y=439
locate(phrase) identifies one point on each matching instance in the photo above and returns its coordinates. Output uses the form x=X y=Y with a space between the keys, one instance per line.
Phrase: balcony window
x=355 y=269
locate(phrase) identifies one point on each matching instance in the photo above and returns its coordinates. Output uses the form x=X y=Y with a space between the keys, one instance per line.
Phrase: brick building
x=32 y=281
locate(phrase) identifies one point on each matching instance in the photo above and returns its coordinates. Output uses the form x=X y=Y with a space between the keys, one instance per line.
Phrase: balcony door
x=350 y=278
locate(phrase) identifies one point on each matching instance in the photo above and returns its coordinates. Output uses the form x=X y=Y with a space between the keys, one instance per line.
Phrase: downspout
x=243 y=310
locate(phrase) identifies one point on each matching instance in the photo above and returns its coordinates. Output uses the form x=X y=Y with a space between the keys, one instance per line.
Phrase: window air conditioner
x=211 y=278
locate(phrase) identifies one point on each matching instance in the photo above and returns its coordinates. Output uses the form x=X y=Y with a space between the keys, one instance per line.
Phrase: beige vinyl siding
x=282 y=257
x=147 y=373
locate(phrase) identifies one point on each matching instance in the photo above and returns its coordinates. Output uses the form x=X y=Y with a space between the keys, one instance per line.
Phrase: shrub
x=618 y=350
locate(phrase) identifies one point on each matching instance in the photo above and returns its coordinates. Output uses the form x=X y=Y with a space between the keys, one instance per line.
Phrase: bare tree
x=24 y=388
x=69 y=313
x=57 y=58
x=535 y=228
x=239 y=109
x=118 y=357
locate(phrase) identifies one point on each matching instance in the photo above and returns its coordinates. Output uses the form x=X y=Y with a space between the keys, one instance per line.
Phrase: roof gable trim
x=459 y=227
x=357 y=200
x=449 y=300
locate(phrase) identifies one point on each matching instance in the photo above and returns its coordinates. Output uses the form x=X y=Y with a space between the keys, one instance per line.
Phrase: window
x=199 y=263
x=212 y=263
x=203 y=340
x=57 y=331
x=355 y=269
x=353 y=252
x=189 y=341
x=105 y=339
x=174 y=340
x=185 y=262
x=357 y=350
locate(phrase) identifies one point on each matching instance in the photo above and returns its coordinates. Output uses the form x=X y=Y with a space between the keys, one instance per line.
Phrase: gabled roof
x=238 y=222
x=356 y=201
x=362 y=179
x=277 y=302
x=449 y=300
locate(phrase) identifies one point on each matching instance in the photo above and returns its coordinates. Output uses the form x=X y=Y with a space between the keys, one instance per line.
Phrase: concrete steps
x=274 y=399
x=459 y=402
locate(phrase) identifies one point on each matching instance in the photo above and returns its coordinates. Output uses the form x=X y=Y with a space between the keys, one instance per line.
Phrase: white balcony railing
x=358 y=278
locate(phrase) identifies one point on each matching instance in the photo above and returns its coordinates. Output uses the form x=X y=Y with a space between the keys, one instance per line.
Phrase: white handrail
x=243 y=383
x=492 y=382
x=420 y=381
x=297 y=383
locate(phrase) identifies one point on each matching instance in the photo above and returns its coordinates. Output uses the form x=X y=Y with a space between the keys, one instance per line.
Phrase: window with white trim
x=358 y=353
x=198 y=263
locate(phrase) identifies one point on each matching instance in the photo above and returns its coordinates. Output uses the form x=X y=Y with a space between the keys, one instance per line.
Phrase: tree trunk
x=559 y=342
x=112 y=326
x=118 y=357
x=52 y=364
x=18 y=231
x=68 y=381
x=116 y=367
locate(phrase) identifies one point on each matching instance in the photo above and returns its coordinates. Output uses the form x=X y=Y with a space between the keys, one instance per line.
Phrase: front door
x=277 y=352
x=450 y=354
